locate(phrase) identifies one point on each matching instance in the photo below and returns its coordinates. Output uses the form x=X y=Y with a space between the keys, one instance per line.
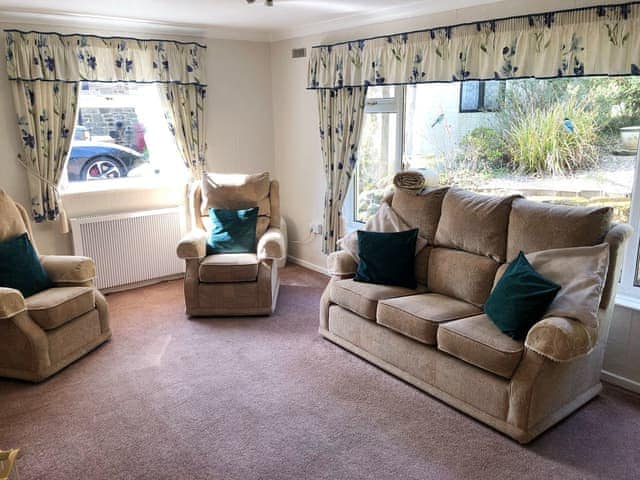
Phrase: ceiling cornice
x=86 y=23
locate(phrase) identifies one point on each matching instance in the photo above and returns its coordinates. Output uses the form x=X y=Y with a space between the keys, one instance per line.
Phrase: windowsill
x=628 y=301
x=122 y=184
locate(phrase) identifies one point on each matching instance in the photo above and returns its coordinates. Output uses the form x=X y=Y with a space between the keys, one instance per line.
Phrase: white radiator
x=130 y=248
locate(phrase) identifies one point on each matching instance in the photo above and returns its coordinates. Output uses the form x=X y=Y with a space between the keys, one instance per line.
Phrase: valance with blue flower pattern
x=602 y=40
x=73 y=58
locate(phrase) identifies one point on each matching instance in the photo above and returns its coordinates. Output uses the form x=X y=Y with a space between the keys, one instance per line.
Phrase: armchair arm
x=193 y=245
x=11 y=303
x=271 y=244
x=561 y=339
x=341 y=264
x=66 y=269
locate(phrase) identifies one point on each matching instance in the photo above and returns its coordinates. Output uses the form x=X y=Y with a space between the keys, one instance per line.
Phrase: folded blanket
x=409 y=180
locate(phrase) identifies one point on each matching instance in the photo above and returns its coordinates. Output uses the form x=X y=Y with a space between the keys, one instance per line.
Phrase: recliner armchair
x=238 y=284
x=43 y=333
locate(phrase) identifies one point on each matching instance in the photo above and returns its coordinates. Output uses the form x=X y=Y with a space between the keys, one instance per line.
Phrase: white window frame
x=377 y=105
x=628 y=295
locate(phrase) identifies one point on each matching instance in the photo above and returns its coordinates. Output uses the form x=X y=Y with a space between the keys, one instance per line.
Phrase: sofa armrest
x=193 y=245
x=341 y=264
x=271 y=245
x=561 y=339
x=69 y=270
x=11 y=303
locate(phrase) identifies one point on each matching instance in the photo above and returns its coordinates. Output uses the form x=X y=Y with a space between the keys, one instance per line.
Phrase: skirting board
x=620 y=381
x=309 y=265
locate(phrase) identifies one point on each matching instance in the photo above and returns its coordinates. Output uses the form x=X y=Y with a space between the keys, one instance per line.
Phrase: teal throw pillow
x=520 y=298
x=232 y=231
x=20 y=267
x=387 y=258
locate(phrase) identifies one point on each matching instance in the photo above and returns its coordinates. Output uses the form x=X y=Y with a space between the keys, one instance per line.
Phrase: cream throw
x=409 y=180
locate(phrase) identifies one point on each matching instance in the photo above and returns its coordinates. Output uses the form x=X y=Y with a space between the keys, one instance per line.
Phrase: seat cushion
x=418 y=316
x=229 y=268
x=362 y=298
x=56 y=306
x=476 y=340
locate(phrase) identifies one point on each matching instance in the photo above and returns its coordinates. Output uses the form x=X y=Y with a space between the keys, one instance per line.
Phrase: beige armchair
x=43 y=333
x=235 y=284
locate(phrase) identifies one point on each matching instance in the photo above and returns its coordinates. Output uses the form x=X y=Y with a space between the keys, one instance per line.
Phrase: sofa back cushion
x=235 y=192
x=535 y=226
x=11 y=222
x=462 y=275
x=474 y=223
x=420 y=210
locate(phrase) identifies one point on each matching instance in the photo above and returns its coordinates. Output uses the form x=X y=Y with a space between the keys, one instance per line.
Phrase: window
x=120 y=133
x=563 y=141
x=380 y=153
x=481 y=96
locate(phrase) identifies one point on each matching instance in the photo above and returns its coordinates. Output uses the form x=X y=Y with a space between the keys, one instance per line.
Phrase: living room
x=271 y=361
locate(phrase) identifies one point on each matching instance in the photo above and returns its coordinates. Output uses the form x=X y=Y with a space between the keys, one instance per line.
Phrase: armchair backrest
x=14 y=219
x=236 y=192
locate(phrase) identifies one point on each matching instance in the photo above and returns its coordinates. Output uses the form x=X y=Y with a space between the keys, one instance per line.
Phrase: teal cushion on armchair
x=20 y=267
x=232 y=231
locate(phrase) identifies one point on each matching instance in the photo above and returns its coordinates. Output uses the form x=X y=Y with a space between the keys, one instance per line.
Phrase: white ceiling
x=224 y=18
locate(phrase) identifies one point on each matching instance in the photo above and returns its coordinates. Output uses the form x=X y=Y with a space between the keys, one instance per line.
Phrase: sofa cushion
x=535 y=226
x=384 y=220
x=231 y=191
x=420 y=210
x=474 y=223
x=12 y=224
x=461 y=275
x=362 y=298
x=418 y=316
x=229 y=268
x=476 y=340
x=56 y=306
x=20 y=267
x=520 y=298
x=387 y=258
x=233 y=231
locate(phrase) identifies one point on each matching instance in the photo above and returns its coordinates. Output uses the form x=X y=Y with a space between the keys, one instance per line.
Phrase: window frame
x=482 y=96
x=389 y=105
x=628 y=293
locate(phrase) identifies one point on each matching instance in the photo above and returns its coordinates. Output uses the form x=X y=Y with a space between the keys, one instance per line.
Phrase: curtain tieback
x=64 y=220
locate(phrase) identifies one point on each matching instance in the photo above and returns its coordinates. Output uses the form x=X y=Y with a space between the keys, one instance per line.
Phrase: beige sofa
x=236 y=284
x=43 y=333
x=438 y=338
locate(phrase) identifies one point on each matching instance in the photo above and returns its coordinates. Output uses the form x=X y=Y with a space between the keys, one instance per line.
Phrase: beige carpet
x=267 y=398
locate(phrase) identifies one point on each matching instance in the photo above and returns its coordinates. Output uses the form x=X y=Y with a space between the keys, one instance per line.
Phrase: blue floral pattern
x=73 y=58
x=591 y=41
x=341 y=113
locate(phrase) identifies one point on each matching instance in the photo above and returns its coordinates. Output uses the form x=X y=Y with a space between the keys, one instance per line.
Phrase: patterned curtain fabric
x=341 y=112
x=591 y=41
x=184 y=105
x=44 y=70
x=46 y=116
x=53 y=56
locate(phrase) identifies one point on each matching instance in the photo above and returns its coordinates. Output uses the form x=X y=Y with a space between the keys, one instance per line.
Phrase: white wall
x=239 y=133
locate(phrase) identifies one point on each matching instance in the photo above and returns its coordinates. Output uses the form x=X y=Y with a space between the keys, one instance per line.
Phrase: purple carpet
x=267 y=398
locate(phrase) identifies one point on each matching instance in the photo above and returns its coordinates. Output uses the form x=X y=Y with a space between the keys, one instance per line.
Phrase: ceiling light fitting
x=268 y=3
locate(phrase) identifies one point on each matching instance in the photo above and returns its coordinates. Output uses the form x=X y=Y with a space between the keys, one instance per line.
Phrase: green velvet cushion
x=232 y=231
x=20 y=267
x=387 y=258
x=520 y=298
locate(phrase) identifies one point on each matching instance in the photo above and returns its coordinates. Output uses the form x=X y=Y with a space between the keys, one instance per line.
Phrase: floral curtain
x=44 y=70
x=46 y=116
x=73 y=58
x=184 y=105
x=601 y=40
x=341 y=113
